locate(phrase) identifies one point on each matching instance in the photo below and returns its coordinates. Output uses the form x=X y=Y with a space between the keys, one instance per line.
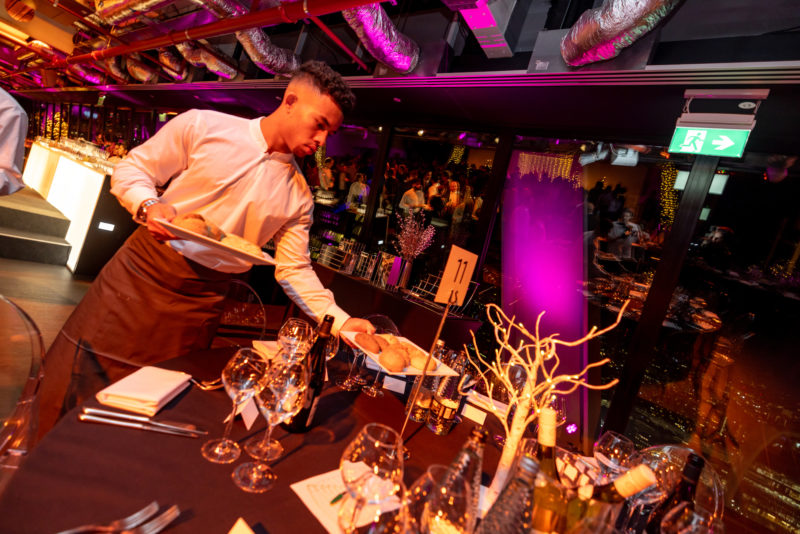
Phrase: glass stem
x=351 y=527
x=229 y=425
x=267 y=436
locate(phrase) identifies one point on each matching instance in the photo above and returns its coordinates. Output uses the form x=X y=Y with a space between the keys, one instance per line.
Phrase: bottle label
x=547 y=427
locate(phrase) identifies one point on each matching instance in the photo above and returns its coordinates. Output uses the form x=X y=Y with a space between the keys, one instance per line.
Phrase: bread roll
x=242 y=244
x=418 y=361
x=400 y=349
x=389 y=338
x=393 y=359
x=368 y=342
x=194 y=222
x=214 y=231
x=382 y=342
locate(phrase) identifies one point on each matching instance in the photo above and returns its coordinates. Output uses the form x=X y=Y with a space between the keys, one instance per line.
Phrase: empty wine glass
x=279 y=401
x=296 y=336
x=448 y=506
x=281 y=398
x=352 y=382
x=243 y=377
x=688 y=519
x=389 y=516
x=372 y=468
x=419 y=492
x=612 y=450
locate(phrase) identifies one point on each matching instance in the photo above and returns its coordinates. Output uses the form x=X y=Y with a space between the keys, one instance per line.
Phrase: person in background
x=413 y=199
x=358 y=190
x=13 y=127
x=326 y=175
x=623 y=233
x=154 y=300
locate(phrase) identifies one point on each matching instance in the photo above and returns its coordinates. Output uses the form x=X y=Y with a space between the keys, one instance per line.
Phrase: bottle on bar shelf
x=591 y=497
x=469 y=464
x=549 y=506
x=427 y=387
x=683 y=492
x=447 y=399
x=511 y=512
x=315 y=365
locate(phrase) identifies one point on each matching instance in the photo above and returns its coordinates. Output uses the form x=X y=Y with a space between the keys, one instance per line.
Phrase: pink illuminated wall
x=543 y=257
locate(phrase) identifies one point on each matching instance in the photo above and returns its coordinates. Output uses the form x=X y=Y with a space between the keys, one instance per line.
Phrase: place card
x=248 y=411
x=241 y=527
x=394 y=384
x=474 y=414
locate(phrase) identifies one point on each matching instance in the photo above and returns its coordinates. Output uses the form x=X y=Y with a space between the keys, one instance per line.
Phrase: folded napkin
x=267 y=349
x=145 y=391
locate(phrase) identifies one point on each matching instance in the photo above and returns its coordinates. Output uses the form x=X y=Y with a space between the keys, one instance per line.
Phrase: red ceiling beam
x=289 y=12
x=322 y=26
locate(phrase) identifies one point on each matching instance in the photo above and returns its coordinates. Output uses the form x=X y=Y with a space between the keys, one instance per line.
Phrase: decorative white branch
x=536 y=360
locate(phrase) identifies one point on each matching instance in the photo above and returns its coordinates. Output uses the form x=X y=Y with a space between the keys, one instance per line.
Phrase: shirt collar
x=258 y=137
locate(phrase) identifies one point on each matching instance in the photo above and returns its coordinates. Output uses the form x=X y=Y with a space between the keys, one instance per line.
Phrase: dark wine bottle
x=468 y=463
x=683 y=492
x=315 y=364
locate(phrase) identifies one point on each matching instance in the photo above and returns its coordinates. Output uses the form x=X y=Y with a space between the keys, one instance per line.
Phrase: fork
x=118 y=524
x=157 y=524
x=207 y=385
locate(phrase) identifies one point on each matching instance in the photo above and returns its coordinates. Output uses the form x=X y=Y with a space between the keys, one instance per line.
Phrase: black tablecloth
x=88 y=473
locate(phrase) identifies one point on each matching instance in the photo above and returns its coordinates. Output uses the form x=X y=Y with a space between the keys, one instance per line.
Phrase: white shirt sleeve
x=296 y=275
x=166 y=154
x=13 y=127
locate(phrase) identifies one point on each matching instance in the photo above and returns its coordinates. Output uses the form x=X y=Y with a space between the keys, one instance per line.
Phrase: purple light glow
x=572 y=428
x=462 y=135
x=479 y=17
x=542 y=256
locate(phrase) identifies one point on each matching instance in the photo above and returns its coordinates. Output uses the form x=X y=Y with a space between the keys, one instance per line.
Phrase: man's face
x=312 y=116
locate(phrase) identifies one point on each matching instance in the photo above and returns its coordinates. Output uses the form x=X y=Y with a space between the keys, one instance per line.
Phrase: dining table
x=84 y=472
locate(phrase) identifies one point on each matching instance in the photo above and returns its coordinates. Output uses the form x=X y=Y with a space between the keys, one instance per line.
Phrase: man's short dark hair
x=328 y=81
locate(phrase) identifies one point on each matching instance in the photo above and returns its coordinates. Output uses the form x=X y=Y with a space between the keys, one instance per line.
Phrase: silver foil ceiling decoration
x=602 y=33
x=139 y=71
x=116 y=12
x=259 y=48
x=172 y=63
x=382 y=39
x=200 y=57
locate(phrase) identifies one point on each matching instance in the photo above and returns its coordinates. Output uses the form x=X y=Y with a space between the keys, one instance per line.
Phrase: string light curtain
x=457 y=154
x=668 y=197
x=552 y=166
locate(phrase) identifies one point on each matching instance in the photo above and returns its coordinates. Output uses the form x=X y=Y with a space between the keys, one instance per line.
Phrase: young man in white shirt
x=160 y=298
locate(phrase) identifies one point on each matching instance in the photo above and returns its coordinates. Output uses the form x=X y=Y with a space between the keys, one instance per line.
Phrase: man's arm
x=13 y=127
x=299 y=281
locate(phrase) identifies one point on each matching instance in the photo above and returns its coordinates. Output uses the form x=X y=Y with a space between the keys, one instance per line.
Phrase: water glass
x=612 y=450
x=447 y=507
x=687 y=519
x=296 y=336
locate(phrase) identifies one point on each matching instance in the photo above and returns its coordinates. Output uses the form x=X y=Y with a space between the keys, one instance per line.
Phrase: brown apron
x=148 y=304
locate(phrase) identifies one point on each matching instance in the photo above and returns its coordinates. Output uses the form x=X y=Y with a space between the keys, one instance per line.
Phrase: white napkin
x=267 y=349
x=145 y=391
x=240 y=527
x=317 y=493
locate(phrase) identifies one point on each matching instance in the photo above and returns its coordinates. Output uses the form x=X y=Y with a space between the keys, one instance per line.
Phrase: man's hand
x=162 y=210
x=355 y=324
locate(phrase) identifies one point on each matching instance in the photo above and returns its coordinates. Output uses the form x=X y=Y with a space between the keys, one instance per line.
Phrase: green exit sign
x=709 y=141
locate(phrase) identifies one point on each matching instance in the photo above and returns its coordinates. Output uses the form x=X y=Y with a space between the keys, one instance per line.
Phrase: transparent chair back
x=243 y=311
x=21 y=356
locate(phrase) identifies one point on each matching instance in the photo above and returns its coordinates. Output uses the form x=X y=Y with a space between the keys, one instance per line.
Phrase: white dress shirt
x=13 y=127
x=219 y=166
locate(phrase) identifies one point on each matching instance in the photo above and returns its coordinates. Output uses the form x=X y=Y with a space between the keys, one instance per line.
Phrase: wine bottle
x=315 y=365
x=469 y=464
x=547 y=443
x=629 y=483
x=683 y=492
x=510 y=513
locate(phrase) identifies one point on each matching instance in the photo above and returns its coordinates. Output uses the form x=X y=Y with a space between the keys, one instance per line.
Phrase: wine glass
x=371 y=467
x=688 y=519
x=296 y=336
x=612 y=450
x=448 y=506
x=419 y=492
x=389 y=516
x=281 y=399
x=243 y=376
x=352 y=383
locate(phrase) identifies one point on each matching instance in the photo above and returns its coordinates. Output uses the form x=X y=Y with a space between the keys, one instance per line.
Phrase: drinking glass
x=389 y=516
x=418 y=494
x=372 y=468
x=686 y=519
x=296 y=336
x=351 y=382
x=243 y=376
x=279 y=401
x=612 y=450
x=281 y=398
x=448 y=506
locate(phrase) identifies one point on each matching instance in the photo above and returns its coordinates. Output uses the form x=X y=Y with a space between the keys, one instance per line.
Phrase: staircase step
x=32 y=246
x=27 y=211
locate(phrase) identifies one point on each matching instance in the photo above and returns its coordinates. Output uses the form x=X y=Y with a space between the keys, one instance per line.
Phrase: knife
x=141 y=426
x=186 y=427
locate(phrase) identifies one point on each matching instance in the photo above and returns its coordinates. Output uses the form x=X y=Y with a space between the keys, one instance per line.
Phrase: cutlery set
x=140 y=522
x=141 y=422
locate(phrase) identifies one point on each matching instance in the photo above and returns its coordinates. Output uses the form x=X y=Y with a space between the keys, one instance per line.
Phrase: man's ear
x=290 y=100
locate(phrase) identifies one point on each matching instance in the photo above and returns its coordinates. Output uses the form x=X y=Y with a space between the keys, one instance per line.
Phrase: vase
x=405 y=274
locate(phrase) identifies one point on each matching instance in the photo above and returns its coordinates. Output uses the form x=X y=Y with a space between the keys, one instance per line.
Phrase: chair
x=21 y=356
x=244 y=315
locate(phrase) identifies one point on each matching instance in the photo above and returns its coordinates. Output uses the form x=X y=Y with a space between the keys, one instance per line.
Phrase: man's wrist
x=141 y=213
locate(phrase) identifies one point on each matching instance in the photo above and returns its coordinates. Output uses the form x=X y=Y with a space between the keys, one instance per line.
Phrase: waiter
x=159 y=298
